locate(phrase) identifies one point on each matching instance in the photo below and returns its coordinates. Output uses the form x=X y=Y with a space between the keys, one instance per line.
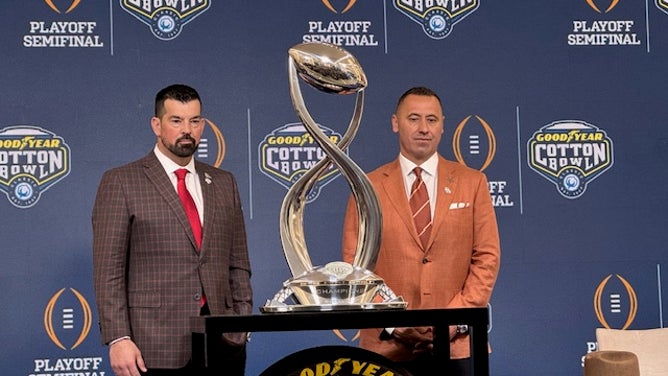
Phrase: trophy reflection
x=337 y=285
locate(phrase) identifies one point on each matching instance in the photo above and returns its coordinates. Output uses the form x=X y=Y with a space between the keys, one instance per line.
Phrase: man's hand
x=235 y=339
x=452 y=329
x=420 y=339
x=126 y=359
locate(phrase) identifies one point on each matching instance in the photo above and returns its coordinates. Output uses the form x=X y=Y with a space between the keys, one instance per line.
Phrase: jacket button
x=197 y=297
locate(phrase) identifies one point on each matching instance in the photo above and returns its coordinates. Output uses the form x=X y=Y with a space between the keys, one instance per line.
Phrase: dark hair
x=179 y=92
x=419 y=90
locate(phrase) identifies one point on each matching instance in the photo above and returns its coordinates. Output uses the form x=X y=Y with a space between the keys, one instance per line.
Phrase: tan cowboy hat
x=611 y=363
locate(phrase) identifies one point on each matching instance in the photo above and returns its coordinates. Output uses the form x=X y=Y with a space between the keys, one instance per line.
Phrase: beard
x=180 y=149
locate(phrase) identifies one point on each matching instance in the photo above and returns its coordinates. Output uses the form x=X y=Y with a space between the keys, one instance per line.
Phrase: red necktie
x=419 y=202
x=189 y=205
x=191 y=213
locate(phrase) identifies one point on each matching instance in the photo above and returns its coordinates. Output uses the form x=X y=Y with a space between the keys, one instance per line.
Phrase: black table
x=208 y=329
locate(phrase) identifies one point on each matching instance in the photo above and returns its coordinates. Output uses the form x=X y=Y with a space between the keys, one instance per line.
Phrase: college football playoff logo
x=613 y=308
x=60 y=319
x=73 y=5
x=329 y=6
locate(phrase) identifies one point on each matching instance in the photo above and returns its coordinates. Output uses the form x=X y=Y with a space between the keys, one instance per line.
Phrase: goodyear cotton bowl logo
x=570 y=153
x=615 y=303
x=32 y=160
x=288 y=152
x=437 y=17
x=663 y=5
x=165 y=18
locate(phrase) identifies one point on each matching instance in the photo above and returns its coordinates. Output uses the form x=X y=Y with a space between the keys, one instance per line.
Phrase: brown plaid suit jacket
x=148 y=275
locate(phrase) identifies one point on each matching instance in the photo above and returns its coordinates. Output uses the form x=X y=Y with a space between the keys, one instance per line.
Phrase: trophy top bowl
x=328 y=68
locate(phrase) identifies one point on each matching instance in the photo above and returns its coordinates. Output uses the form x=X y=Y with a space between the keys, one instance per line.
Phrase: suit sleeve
x=111 y=234
x=240 y=271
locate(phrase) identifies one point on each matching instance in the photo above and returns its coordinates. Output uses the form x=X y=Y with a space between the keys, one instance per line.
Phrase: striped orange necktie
x=419 y=202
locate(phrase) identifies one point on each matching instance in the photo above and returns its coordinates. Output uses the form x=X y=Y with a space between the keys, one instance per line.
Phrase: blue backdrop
x=561 y=105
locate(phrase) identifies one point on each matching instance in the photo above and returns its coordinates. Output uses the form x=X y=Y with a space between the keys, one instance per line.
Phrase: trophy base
x=336 y=286
x=273 y=307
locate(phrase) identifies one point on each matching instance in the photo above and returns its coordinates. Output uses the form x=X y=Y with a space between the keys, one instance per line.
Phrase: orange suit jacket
x=459 y=266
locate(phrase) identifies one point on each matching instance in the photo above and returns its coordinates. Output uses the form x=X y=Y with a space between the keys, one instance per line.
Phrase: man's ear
x=155 y=125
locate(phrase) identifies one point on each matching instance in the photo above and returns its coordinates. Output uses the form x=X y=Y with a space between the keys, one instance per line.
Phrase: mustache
x=186 y=137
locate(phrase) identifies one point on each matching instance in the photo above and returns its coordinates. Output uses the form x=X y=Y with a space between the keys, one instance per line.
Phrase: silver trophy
x=337 y=285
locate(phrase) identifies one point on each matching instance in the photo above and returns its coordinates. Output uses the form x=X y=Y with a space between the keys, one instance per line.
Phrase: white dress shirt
x=192 y=179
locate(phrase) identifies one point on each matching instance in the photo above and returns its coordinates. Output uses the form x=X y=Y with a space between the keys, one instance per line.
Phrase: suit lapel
x=156 y=174
x=208 y=195
x=447 y=185
x=394 y=187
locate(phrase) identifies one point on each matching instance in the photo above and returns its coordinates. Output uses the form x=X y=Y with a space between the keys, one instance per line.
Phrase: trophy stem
x=368 y=208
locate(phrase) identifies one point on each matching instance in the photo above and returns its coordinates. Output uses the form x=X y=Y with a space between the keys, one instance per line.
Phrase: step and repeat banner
x=561 y=104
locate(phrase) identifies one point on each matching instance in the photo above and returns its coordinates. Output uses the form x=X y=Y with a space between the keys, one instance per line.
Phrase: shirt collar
x=169 y=165
x=429 y=166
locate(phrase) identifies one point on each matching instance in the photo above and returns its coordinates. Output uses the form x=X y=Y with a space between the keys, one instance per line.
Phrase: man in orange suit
x=160 y=259
x=451 y=261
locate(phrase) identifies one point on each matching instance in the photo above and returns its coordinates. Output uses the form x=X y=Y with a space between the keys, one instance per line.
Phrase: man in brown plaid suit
x=150 y=274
